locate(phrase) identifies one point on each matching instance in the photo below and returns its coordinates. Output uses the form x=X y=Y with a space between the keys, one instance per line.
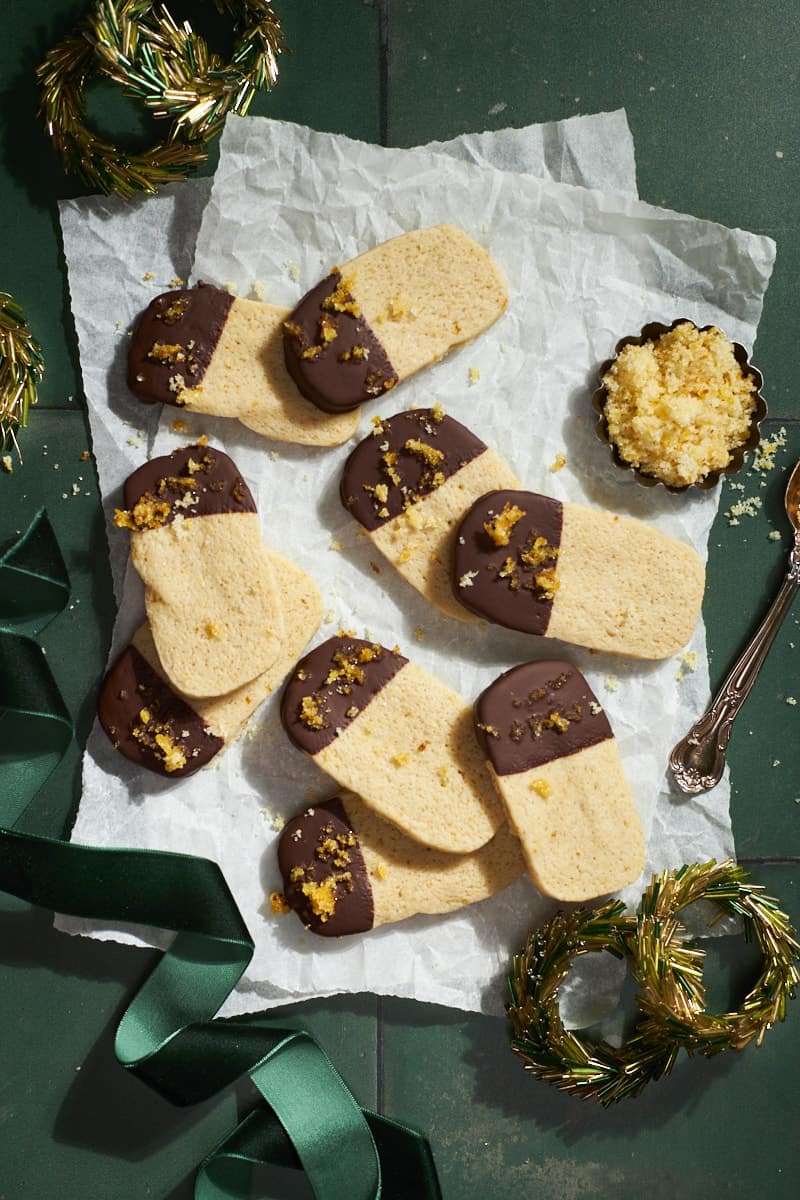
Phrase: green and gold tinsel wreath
x=169 y=68
x=21 y=370
x=672 y=993
x=560 y=1056
x=669 y=971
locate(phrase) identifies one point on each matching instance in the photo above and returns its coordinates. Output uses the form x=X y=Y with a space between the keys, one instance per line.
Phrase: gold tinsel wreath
x=669 y=971
x=560 y=1056
x=21 y=370
x=169 y=68
x=672 y=993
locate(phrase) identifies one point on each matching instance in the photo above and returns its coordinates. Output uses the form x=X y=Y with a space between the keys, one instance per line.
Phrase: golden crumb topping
x=311 y=713
x=167 y=352
x=322 y=896
x=499 y=527
x=546 y=583
x=173 y=755
x=327 y=330
x=356 y=353
x=341 y=300
x=537 y=551
x=147 y=513
x=174 y=311
x=678 y=406
x=428 y=454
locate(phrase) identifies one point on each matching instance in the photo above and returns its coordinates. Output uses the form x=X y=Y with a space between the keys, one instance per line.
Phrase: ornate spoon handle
x=698 y=760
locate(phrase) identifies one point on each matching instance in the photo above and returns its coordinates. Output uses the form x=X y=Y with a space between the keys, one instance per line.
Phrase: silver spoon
x=698 y=760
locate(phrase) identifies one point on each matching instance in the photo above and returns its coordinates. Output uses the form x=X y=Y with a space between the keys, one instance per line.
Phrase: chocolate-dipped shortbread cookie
x=409 y=483
x=150 y=723
x=153 y=725
x=346 y=870
x=556 y=764
x=207 y=351
x=386 y=314
x=210 y=592
x=580 y=574
x=396 y=736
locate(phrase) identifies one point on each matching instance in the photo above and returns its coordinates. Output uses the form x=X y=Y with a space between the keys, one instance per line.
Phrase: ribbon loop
x=168 y=1036
x=34 y=584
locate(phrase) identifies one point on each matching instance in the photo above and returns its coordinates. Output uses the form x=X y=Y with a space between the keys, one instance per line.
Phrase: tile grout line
x=771 y=860
x=383 y=71
x=379 y=1075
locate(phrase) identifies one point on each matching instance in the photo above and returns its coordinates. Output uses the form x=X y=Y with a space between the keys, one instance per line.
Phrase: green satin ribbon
x=167 y=1036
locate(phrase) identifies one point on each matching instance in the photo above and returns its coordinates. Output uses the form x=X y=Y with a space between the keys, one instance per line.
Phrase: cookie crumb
x=558 y=462
x=279 y=904
x=7 y=464
x=473 y=375
x=765 y=451
x=380 y=871
x=542 y=788
x=612 y=683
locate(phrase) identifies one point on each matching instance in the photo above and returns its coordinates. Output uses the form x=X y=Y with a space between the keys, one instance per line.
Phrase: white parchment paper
x=584 y=268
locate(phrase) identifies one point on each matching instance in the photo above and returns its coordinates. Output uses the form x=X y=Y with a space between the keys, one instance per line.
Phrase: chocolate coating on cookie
x=195 y=481
x=506 y=558
x=325 y=877
x=331 y=687
x=332 y=353
x=404 y=459
x=174 y=342
x=149 y=723
x=536 y=713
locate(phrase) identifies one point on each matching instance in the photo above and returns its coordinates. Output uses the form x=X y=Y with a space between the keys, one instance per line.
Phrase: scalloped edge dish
x=650 y=333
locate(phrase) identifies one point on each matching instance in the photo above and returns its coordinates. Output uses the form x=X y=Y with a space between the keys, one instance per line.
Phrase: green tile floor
x=711 y=93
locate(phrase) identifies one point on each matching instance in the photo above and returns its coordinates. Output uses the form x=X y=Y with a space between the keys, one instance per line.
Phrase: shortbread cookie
x=397 y=737
x=210 y=593
x=151 y=724
x=207 y=351
x=557 y=766
x=346 y=870
x=410 y=483
x=580 y=574
x=393 y=310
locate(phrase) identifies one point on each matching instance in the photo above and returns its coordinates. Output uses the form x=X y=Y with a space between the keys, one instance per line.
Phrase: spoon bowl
x=791 y=499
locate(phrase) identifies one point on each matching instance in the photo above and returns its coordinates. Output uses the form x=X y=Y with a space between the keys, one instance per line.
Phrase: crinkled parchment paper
x=584 y=268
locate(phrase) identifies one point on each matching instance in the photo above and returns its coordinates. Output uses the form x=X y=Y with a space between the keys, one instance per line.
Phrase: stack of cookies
x=226 y=616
